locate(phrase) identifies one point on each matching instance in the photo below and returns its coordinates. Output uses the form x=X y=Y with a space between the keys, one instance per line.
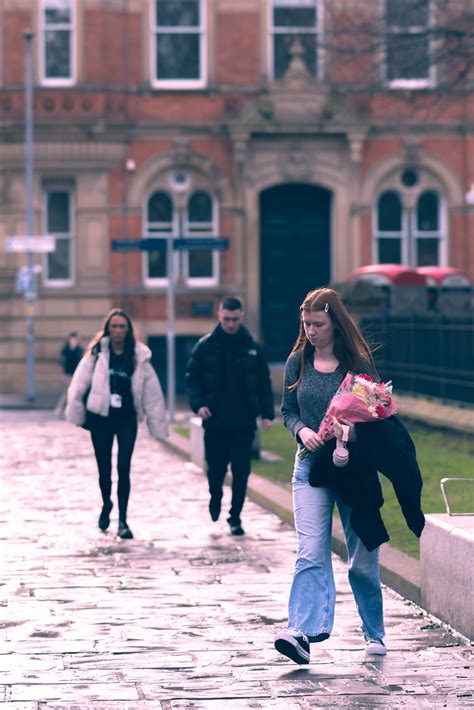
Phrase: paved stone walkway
x=184 y=615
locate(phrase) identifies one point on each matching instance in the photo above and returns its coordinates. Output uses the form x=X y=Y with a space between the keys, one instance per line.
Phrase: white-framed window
x=415 y=236
x=57 y=42
x=178 y=56
x=160 y=222
x=408 y=44
x=389 y=233
x=199 y=219
x=292 y=21
x=428 y=229
x=201 y=267
x=58 y=266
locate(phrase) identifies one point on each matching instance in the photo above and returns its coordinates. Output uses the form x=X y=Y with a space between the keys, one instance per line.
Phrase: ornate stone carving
x=301 y=102
x=297 y=76
x=412 y=150
x=181 y=152
x=297 y=98
x=296 y=163
x=240 y=149
x=356 y=141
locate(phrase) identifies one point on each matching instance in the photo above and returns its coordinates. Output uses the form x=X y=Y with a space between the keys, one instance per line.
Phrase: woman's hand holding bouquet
x=358 y=399
x=310 y=440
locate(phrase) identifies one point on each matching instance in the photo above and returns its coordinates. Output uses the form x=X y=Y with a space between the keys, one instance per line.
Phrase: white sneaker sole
x=288 y=646
x=376 y=650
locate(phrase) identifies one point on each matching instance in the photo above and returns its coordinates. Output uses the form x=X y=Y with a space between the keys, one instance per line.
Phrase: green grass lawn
x=182 y=431
x=440 y=454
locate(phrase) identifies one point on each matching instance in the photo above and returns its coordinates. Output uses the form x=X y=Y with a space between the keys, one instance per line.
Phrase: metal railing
x=424 y=356
x=442 y=484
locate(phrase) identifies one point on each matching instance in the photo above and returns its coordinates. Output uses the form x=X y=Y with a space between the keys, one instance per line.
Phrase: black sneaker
x=293 y=644
x=214 y=508
x=236 y=529
x=104 y=518
x=124 y=531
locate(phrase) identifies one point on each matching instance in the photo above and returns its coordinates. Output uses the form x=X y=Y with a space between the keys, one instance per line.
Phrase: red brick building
x=315 y=135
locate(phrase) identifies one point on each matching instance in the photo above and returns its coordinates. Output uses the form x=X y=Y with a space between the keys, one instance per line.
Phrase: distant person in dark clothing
x=228 y=385
x=70 y=355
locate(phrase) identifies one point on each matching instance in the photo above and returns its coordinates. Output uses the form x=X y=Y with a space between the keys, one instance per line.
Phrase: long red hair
x=350 y=347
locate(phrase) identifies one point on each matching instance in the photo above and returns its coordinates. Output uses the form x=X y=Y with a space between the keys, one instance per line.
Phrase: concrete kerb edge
x=398 y=570
x=438 y=423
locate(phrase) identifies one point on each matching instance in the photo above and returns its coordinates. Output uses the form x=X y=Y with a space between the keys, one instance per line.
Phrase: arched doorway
x=294 y=258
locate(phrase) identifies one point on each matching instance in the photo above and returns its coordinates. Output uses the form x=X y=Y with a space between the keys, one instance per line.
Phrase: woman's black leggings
x=102 y=440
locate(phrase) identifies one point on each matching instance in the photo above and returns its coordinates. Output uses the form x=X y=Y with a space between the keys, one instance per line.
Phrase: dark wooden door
x=294 y=259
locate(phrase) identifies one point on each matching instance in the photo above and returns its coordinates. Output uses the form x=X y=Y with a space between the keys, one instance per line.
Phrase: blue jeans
x=313 y=592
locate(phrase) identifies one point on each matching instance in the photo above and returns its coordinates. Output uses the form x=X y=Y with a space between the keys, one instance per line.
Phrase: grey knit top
x=306 y=405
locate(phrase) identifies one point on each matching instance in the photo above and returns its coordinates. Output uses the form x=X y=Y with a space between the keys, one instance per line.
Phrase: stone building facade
x=218 y=118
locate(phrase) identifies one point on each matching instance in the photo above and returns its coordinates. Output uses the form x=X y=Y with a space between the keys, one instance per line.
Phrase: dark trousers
x=222 y=448
x=102 y=435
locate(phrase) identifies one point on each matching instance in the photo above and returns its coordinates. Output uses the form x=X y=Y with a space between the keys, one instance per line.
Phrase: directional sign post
x=30 y=318
x=26 y=284
x=43 y=244
x=179 y=244
x=169 y=245
x=26 y=276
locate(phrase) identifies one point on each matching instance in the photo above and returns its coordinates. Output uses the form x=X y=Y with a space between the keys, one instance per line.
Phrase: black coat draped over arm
x=384 y=446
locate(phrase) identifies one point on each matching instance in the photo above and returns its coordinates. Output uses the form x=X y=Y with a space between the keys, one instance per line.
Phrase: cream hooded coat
x=94 y=373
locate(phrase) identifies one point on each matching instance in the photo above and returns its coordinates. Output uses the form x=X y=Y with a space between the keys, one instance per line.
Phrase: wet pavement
x=184 y=615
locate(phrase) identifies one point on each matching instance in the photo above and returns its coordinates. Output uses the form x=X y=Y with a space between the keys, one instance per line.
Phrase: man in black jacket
x=228 y=384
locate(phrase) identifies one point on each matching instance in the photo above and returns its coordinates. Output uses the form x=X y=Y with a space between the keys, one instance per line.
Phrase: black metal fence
x=425 y=356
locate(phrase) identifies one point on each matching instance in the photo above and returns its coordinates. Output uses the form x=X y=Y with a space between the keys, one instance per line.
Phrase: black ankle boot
x=104 y=518
x=215 y=508
x=124 y=531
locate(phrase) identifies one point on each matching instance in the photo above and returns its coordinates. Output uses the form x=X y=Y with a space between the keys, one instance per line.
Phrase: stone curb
x=437 y=414
x=398 y=570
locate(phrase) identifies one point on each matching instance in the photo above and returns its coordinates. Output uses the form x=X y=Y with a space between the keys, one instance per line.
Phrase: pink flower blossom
x=358 y=399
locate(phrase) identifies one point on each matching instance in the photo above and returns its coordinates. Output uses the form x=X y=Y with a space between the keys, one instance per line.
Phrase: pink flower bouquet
x=358 y=399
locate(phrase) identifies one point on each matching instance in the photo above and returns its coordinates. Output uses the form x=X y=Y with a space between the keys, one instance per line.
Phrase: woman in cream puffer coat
x=123 y=389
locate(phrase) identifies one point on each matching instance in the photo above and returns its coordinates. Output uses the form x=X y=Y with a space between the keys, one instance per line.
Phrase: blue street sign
x=26 y=281
x=179 y=244
x=198 y=243
x=148 y=244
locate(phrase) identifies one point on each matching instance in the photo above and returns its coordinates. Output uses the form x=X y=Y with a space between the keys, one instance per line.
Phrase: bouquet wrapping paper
x=358 y=399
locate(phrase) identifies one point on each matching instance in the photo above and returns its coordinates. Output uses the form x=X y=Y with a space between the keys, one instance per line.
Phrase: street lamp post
x=30 y=327
x=129 y=169
x=180 y=194
x=170 y=335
